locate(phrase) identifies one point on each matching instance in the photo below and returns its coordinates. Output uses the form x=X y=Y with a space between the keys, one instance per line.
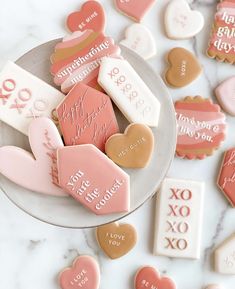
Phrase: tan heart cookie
x=184 y=67
x=116 y=240
x=133 y=149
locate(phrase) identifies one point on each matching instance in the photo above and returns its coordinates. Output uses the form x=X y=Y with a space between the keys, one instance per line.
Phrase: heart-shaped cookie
x=116 y=240
x=183 y=69
x=37 y=171
x=133 y=149
x=140 y=39
x=91 y=16
x=225 y=94
x=84 y=273
x=181 y=22
x=148 y=277
x=136 y=9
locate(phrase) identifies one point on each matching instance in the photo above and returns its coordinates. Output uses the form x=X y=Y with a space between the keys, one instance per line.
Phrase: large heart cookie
x=181 y=22
x=148 y=278
x=183 y=69
x=84 y=273
x=225 y=94
x=116 y=239
x=37 y=171
x=133 y=149
x=136 y=9
x=91 y=16
x=140 y=39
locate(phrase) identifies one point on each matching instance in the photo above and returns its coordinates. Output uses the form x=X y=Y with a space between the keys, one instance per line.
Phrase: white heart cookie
x=140 y=39
x=181 y=22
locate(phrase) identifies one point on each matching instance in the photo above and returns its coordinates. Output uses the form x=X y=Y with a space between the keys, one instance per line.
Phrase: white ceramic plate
x=144 y=182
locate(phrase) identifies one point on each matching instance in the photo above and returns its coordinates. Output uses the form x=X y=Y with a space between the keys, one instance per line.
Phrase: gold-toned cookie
x=116 y=240
x=183 y=69
x=133 y=149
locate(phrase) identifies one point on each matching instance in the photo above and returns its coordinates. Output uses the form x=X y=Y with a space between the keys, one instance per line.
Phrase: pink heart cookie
x=86 y=116
x=37 y=171
x=92 y=179
x=148 y=278
x=225 y=94
x=84 y=273
x=91 y=16
x=135 y=9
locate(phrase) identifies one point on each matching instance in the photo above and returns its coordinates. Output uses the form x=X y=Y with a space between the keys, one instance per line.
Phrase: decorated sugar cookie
x=38 y=171
x=148 y=278
x=225 y=257
x=178 y=225
x=91 y=16
x=86 y=116
x=133 y=149
x=181 y=22
x=115 y=239
x=183 y=69
x=225 y=95
x=226 y=177
x=201 y=127
x=77 y=58
x=129 y=92
x=84 y=273
x=24 y=97
x=221 y=44
x=140 y=39
x=135 y=9
x=92 y=179
x=213 y=286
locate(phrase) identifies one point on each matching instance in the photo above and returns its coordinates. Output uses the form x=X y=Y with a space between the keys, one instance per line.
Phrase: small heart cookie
x=149 y=277
x=116 y=240
x=133 y=149
x=181 y=22
x=140 y=39
x=84 y=273
x=225 y=95
x=91 y=16
x=184 y=67
x=136 y=9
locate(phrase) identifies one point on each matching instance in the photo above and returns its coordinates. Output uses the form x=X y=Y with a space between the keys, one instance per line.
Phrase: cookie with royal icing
x=36 y=171
x=201 y=127
x=115 y=239
x=225 y=95
x=91 y=16
x=183 y=68
x=140 y=39
x=133 y=149
x=226 y=177
x=93 y=180
x=84 y=273
x=181 y=22
x=77 y=58
x=135 y=9
x=221 y=44
x=86 y=116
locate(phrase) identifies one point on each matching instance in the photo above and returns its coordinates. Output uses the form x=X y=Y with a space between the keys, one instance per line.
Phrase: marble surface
x=32 y=253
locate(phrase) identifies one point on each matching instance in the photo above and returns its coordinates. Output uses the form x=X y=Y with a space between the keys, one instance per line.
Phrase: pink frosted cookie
x=226 y=177
x=77 y=58
x=37 y=171
x=91 y=178
x=136 y=9
x=149 y=277
x=225 y=95
x=86 y=116
x=201 y=127
x=91 y=16
x=222 y=44
x=84 y=273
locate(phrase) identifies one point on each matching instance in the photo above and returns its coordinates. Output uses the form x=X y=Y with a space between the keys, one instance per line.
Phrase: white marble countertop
x=32 y=253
